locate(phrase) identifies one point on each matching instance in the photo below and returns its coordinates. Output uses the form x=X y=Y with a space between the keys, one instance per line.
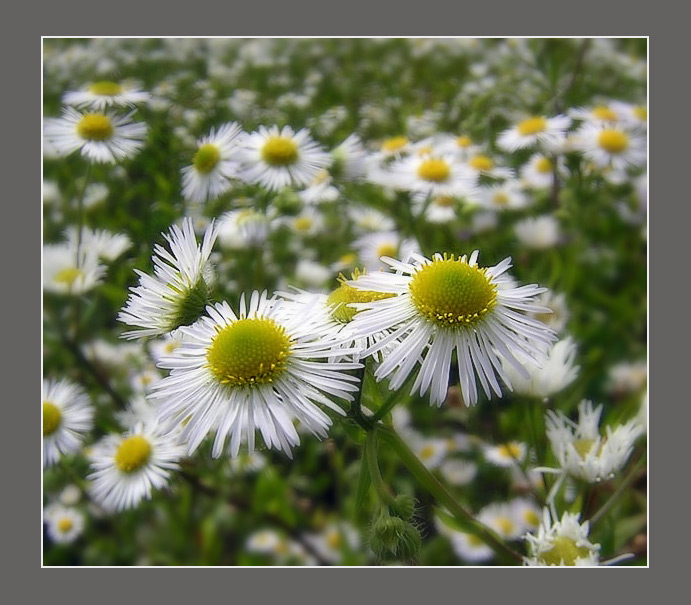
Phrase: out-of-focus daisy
x=264 y=542
x=582 y=451
x=500 y=517
x=105 y=93
x=67 y=416
x=457 y=471
x=214 y=165
x=103 y=244
x=64 y=524
x=483 y=165
x=430 y=451
x=312 y=274
x=99 y=136
x=538 y=173
x=506 y=196
x=627 y=377
x=261 y=369
x=334 y=541
x=350 y=159
x=526 y=513
x=449 y=303
x=307 y=223
x=320 y=190
x=462 y=146
x=633 y=116
x=239 y=229
x=276 y=158
x=164 y=346
x=437 y=209
x=562 y=543
x=554 y=373
x=139 y=411
x=538 y=233
x=369 y=219
x=599 y=115
x=505 y=454
x=248 y=462
x=393 y=147
x=70 y=495
x=432 y=175
x=67 y=272
x=128 y=468
x=533 y=131
x=142 y=380
x=179 y=289
x=372 y=247
x=467 y=547
x=557 y=313
x=611 y=147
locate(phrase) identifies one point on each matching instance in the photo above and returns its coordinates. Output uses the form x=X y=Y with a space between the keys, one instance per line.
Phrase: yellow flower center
x=500 y=198
x=68 y=276
x=464 y=141
x=132 y=454
x=506 y=526
x=544 y=165
x=303 y=223
x=613 y=141
x=105 y=88
x=51 y=418
x=531 y=518
x=474 y=541
x=510 y=450
x=206 y=158
x=532 y=126
x=389 y=249
x=334 y=540
x=445 y=201
x=481 y=162
x=434 y=170
x=451 y=293
x=427 y=452
x=346 y=294
x=394 y=144
x=604 y=113
x=641 y=113
x=564 y=552
x=65 y=525
x=95 y=127
x=348 y=259
x=280 y=151
x=248 y=352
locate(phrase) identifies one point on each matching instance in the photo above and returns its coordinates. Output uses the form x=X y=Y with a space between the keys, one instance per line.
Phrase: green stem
x=80 y=211
x=444 y=497
x=391 y=400
x=371 y=447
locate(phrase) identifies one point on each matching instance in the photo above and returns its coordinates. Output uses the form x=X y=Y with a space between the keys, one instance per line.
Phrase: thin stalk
x=371 y=447
x=625 y=484
x=444 y=497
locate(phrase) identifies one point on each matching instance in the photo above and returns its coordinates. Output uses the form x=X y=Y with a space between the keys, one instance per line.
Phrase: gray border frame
x=667 y=44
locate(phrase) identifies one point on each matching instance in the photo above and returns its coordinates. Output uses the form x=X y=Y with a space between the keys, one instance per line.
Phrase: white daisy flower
x=127 y=468
x=64 y=524
x=505 y=454
x=599 y=115
x=501 y=518
x=393 y=147
x=372 y=247
x=611 y=147
x=320 y=190
x=462 y=146
x=538 y=233
x=142 y=380
x=438 y=209
x=264 y=542
x=369 y=219
x=557 y=314
x=105 y=93
x=458 y=472
x=67 y=417
x=334 y=540
x=538 y=173
x=432 y=175
x=139 y=411
x=633 y=116
x=526 y=513
x=562 y=543
x=66 y=272
x=104 y=244
x=312 y=274
x=276 y=158
x=239 y=229
x=445 y=304
x=308 y=223
x=430 y=451
x=214 y=165
x=506 y=196
x=582 y=451
x=480 y=164
x=178 y=291
x=467 y=547
x=70 y=495
x=350 y=159
x=261 y=369
x=627 y=377
x=248 y=463
x=536 y=130
x=555 y=373
x=99 y=136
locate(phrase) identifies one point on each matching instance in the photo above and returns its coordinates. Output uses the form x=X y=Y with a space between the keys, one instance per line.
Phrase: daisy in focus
x=179 y=289
x=105 y=93
x=276 y=158
x=449 y=304
x=128 y=468
x=67 y=417
x=63 y=524
x=261 y=369
x=214 y=164
x=534 y=131
x=562 y=543
x=100 y=137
